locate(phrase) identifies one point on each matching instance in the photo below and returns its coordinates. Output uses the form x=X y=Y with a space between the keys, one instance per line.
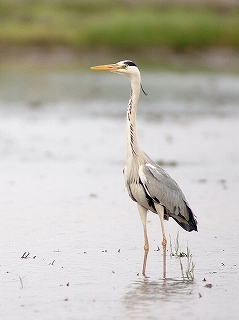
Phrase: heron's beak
x=107 y=67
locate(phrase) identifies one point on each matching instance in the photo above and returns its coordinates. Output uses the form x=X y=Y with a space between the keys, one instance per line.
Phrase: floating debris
x=209 y=285
x=202 y=180
x=25 y=255
x=93 y=195
x=167 y=163
x=223 y=183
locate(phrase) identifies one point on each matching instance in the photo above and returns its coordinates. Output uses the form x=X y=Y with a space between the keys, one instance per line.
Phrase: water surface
x=71 y=238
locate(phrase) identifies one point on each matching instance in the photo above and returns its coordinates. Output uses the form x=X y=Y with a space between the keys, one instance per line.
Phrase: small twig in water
x=25 y=255
x=20 y=278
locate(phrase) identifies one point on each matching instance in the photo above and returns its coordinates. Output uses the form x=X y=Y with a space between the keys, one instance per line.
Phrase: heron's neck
x=132 y=146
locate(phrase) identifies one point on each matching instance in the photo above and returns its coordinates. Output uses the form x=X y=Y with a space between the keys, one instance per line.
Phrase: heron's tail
x=188 y=225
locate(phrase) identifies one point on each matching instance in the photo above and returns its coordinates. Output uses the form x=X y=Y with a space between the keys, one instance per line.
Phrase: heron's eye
x=124 y=66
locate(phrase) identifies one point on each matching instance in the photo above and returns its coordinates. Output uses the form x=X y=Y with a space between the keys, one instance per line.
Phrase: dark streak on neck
x=131 y=126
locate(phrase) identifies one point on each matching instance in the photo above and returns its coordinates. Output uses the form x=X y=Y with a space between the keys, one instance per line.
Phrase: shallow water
x=71 y=237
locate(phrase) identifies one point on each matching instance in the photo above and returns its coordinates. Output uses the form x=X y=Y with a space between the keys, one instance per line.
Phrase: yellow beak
x=107 y=67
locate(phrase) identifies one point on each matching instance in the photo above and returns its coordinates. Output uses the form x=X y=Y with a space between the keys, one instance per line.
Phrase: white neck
x=132 y=146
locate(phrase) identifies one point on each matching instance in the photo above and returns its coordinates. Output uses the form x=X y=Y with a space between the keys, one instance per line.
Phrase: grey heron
x=147 y=183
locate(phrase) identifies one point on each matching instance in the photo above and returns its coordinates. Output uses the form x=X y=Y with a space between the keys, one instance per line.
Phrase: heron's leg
x=143 y=216
x=160 y=210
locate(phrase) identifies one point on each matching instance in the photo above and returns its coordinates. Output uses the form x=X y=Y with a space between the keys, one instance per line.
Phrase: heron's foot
x=144 y=274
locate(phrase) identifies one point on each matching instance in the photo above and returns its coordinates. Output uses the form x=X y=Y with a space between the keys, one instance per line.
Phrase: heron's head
x=125 y=67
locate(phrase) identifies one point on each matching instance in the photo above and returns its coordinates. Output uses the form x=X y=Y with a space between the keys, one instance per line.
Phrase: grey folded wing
x=164 y=190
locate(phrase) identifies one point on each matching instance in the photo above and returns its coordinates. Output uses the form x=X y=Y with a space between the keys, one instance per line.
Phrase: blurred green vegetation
x=116 y=24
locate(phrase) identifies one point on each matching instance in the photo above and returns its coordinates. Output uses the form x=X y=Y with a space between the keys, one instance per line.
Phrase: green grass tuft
x=187 y=267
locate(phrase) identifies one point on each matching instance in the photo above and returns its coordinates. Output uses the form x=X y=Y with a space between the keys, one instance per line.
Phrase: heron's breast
x=132 y=182
x=137 y=193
